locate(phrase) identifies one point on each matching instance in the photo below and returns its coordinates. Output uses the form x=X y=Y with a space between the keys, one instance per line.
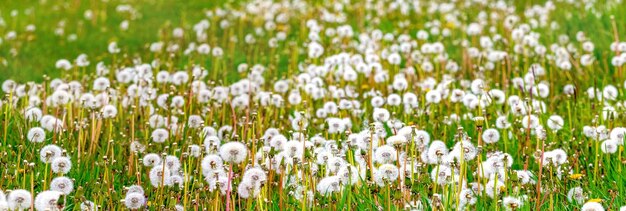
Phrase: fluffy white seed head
x=47 y=200
x=234 y=152
x=19 y=199
x=36 y=135
x=61 y=165
x=64 y=185
x=134 y=200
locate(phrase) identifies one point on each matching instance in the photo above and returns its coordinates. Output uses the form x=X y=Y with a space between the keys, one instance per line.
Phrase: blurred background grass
x=38 y=57
x=34 y=54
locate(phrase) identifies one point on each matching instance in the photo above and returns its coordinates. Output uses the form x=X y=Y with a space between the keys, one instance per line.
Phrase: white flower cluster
x=460 y=112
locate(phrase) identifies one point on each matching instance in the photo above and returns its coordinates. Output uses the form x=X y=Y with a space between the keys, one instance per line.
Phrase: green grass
x=103 y=163
x=37 y=52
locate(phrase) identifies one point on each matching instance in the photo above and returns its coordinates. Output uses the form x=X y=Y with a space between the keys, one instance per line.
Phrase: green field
x=312 y=105
x=34 y=54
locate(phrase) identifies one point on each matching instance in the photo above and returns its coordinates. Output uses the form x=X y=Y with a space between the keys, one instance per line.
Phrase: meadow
x=312 y=105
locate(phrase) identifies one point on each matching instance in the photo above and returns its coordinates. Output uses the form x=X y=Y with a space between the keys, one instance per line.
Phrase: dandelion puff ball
x=151 y=159
x=61 y=165
x=234 y=152
x=530 y=121
x=88 y=206
x=3 y=201
x=511 y=203
x=49 y=152
x=160 y=176
x=592 y=206
x=329 y=185
x=609 y=146
x=19 y=199
x=385 y=154
x=135 y=189
x=247 y=189
x=36 y=135
x=160 y=135
x=62 y=184
x=134 y=200
x=47 y=200
x=491 y=136
x=386 y=173
x=576 y=195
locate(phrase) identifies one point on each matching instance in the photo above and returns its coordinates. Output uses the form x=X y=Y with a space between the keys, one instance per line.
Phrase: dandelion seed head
x=592 y=206
x=160 y=176
x=491 y=136
x=511 y=203
x=172 y=162
x=61 y=165
x=159 y=135
x=211 y=163
x=134 y=200
x=135 y=189
x=576 y=195
x=62 y=184
x=87 y=206
x=385 y=154
x=19 y=199
x=437 y=152
x=36 y=135
x=234 y=152
x=151 y=159
x=47 y=200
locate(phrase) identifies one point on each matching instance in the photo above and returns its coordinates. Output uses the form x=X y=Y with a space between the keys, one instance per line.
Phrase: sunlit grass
x=296 y=110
